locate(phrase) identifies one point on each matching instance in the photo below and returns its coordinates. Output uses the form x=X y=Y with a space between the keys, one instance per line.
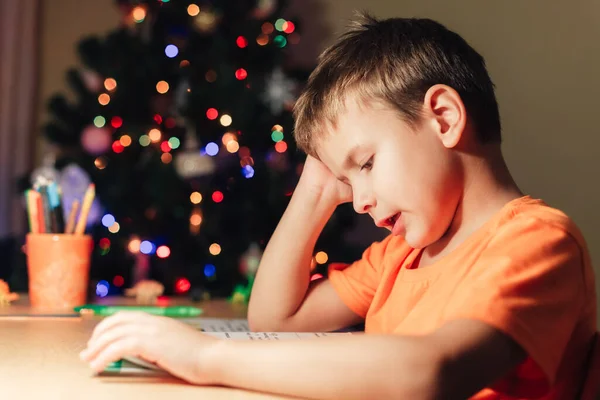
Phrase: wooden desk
x=39 y=358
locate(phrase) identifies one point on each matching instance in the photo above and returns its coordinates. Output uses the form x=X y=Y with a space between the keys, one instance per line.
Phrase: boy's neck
x=487 y=187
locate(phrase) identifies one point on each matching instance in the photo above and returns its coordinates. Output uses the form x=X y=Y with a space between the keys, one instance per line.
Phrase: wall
x=543 y=55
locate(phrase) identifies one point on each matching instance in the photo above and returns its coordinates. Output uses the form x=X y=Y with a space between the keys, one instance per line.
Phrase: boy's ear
x=447 y=113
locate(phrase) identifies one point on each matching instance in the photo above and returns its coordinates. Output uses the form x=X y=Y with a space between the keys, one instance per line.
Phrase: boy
x=479 y=291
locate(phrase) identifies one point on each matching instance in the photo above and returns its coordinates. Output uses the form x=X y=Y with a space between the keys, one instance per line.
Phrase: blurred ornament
x=93 y=82
x=145 y=291
x=191 y=162
x=6 y=297
x=74 y=181
x=96 y=141
x=206 y=21
x=279 y=91
x=250 y=260
x=264 y=9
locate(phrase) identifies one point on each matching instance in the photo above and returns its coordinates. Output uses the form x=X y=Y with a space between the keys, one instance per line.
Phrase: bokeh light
x=217 y=196
x=163 y=251
x=104 y=99
x=110 y=84
x=171 y=51
x=214 y=249
x=162 y=87
x=211 y=148
x=193 y=10
x=321 y=257
x=196 y=198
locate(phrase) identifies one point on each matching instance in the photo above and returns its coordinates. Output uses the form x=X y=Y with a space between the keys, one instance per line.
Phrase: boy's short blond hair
x=394 y=62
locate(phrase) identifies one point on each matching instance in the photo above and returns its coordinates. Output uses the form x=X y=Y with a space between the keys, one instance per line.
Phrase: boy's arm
x=458 y=360
x=283 y=298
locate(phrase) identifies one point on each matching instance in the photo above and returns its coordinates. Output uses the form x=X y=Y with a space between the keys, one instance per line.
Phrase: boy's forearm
x=283 y=276
x=353 y=367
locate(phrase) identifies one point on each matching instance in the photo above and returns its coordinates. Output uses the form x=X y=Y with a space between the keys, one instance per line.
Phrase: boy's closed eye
x=367 y=165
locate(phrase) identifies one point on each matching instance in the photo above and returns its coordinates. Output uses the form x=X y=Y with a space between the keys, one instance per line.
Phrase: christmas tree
x=182 y=119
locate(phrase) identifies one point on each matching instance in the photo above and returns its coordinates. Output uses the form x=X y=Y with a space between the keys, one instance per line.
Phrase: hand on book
x=174 y=346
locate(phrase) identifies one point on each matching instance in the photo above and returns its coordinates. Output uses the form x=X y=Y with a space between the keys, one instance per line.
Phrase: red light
x=118 y=281
x=288 y=27
x=104 y=243
x=117 y=147
x=241 y=42
x=157 y=119
x=163 y=252
x=170 y=123
x=212 y=113
x=164 y=146
x=217 y=197
x=281 y=146
x=241 y=74
x=182 y=285
x=116 y=122
x=314 y=277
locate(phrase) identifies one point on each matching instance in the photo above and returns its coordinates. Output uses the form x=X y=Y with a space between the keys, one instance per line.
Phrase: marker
x=171 y=311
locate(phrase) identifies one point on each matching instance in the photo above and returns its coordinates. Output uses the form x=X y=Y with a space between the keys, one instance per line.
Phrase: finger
x=112 y=335
x=128 y=346
x=114 y=320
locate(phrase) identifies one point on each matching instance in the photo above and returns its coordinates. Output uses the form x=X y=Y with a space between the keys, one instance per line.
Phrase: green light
x=99 y=121
x=279 y=24
x=174 y=143
x=277 y=136
x=280 y=41
x=144 y=140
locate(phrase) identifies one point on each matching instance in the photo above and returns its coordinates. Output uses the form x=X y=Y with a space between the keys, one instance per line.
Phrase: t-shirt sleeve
x=528 y=283
x=356 y=283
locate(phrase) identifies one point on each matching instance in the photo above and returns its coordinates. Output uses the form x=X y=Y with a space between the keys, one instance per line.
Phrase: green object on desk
x=170 y=311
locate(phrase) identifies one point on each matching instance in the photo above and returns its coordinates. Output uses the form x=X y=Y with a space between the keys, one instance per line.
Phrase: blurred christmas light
x=116 y=122
x=100 y=163
x=241 y=74
x=166 y=158
x=104 y=99
x=154 y=135
x=134 y=245
x=104 y=243
x=214 y=249
x=138 y=14
x=164 y=146
x=114 y=228
x=232 y=146
x=209 y=270
x=146 y=247
x=182 y=285
x=110 y=84
x=144 y=140
x=279 y=24
x=244 y=152
x=281 y=147
x=157 y=118
x=228 y=137
x=267 y=28
x=277 y=136
x=196 y=198
x=162 y=87
x=217 y=196
x=174 y=143
x=163 y=252
x=262 y=39
x=288 y=27
x=118 y=281
x=99 y=121
x=277 y=127
x=184 y=63
x=108 y=220
x=196 y=219
x=165 y=1
x=241 y=42
x=225 y=120
x=117 y=147
x=102 y=288
x=212 y=149
x=125 y=140
x=247 y=161
x=248 y=172
x=171 y=51
x=211 y=76
x=212 y=113
x=280 y=41
x=321 y=257
x=193 y=10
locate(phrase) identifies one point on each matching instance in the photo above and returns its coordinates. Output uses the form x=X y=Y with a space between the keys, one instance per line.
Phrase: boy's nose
x=362 y=202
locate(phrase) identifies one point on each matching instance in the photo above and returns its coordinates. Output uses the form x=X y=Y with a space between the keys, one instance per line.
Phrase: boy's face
x=406 y=179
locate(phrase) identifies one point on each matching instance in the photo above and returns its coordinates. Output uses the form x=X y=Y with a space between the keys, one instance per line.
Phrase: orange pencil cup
x=58 y=267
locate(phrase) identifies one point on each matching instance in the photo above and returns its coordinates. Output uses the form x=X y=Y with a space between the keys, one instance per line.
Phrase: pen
x=170 y=311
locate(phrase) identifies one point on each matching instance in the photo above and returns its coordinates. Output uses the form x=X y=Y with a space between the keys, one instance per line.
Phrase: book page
x=218 y=324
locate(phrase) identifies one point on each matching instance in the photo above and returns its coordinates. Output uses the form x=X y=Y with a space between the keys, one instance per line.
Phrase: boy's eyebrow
x=349 y=160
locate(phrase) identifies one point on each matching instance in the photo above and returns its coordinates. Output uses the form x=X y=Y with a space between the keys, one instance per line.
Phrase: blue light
x=102 y=288
x=209 y=270
x=248 y=172
x=212 y=149
x=108 y=220
x=146 y=247
x=171 y=51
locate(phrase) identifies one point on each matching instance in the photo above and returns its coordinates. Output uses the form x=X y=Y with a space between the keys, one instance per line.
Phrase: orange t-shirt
x=526 y=272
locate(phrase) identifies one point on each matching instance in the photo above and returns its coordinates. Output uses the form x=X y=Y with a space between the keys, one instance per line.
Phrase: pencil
x=31 y=197
x=88 y=198
x=72 y=216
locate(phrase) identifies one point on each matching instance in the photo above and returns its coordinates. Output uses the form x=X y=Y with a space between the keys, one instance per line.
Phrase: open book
x=232 y=329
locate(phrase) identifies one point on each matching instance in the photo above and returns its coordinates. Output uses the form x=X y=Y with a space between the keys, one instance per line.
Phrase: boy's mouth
x=388 y=222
